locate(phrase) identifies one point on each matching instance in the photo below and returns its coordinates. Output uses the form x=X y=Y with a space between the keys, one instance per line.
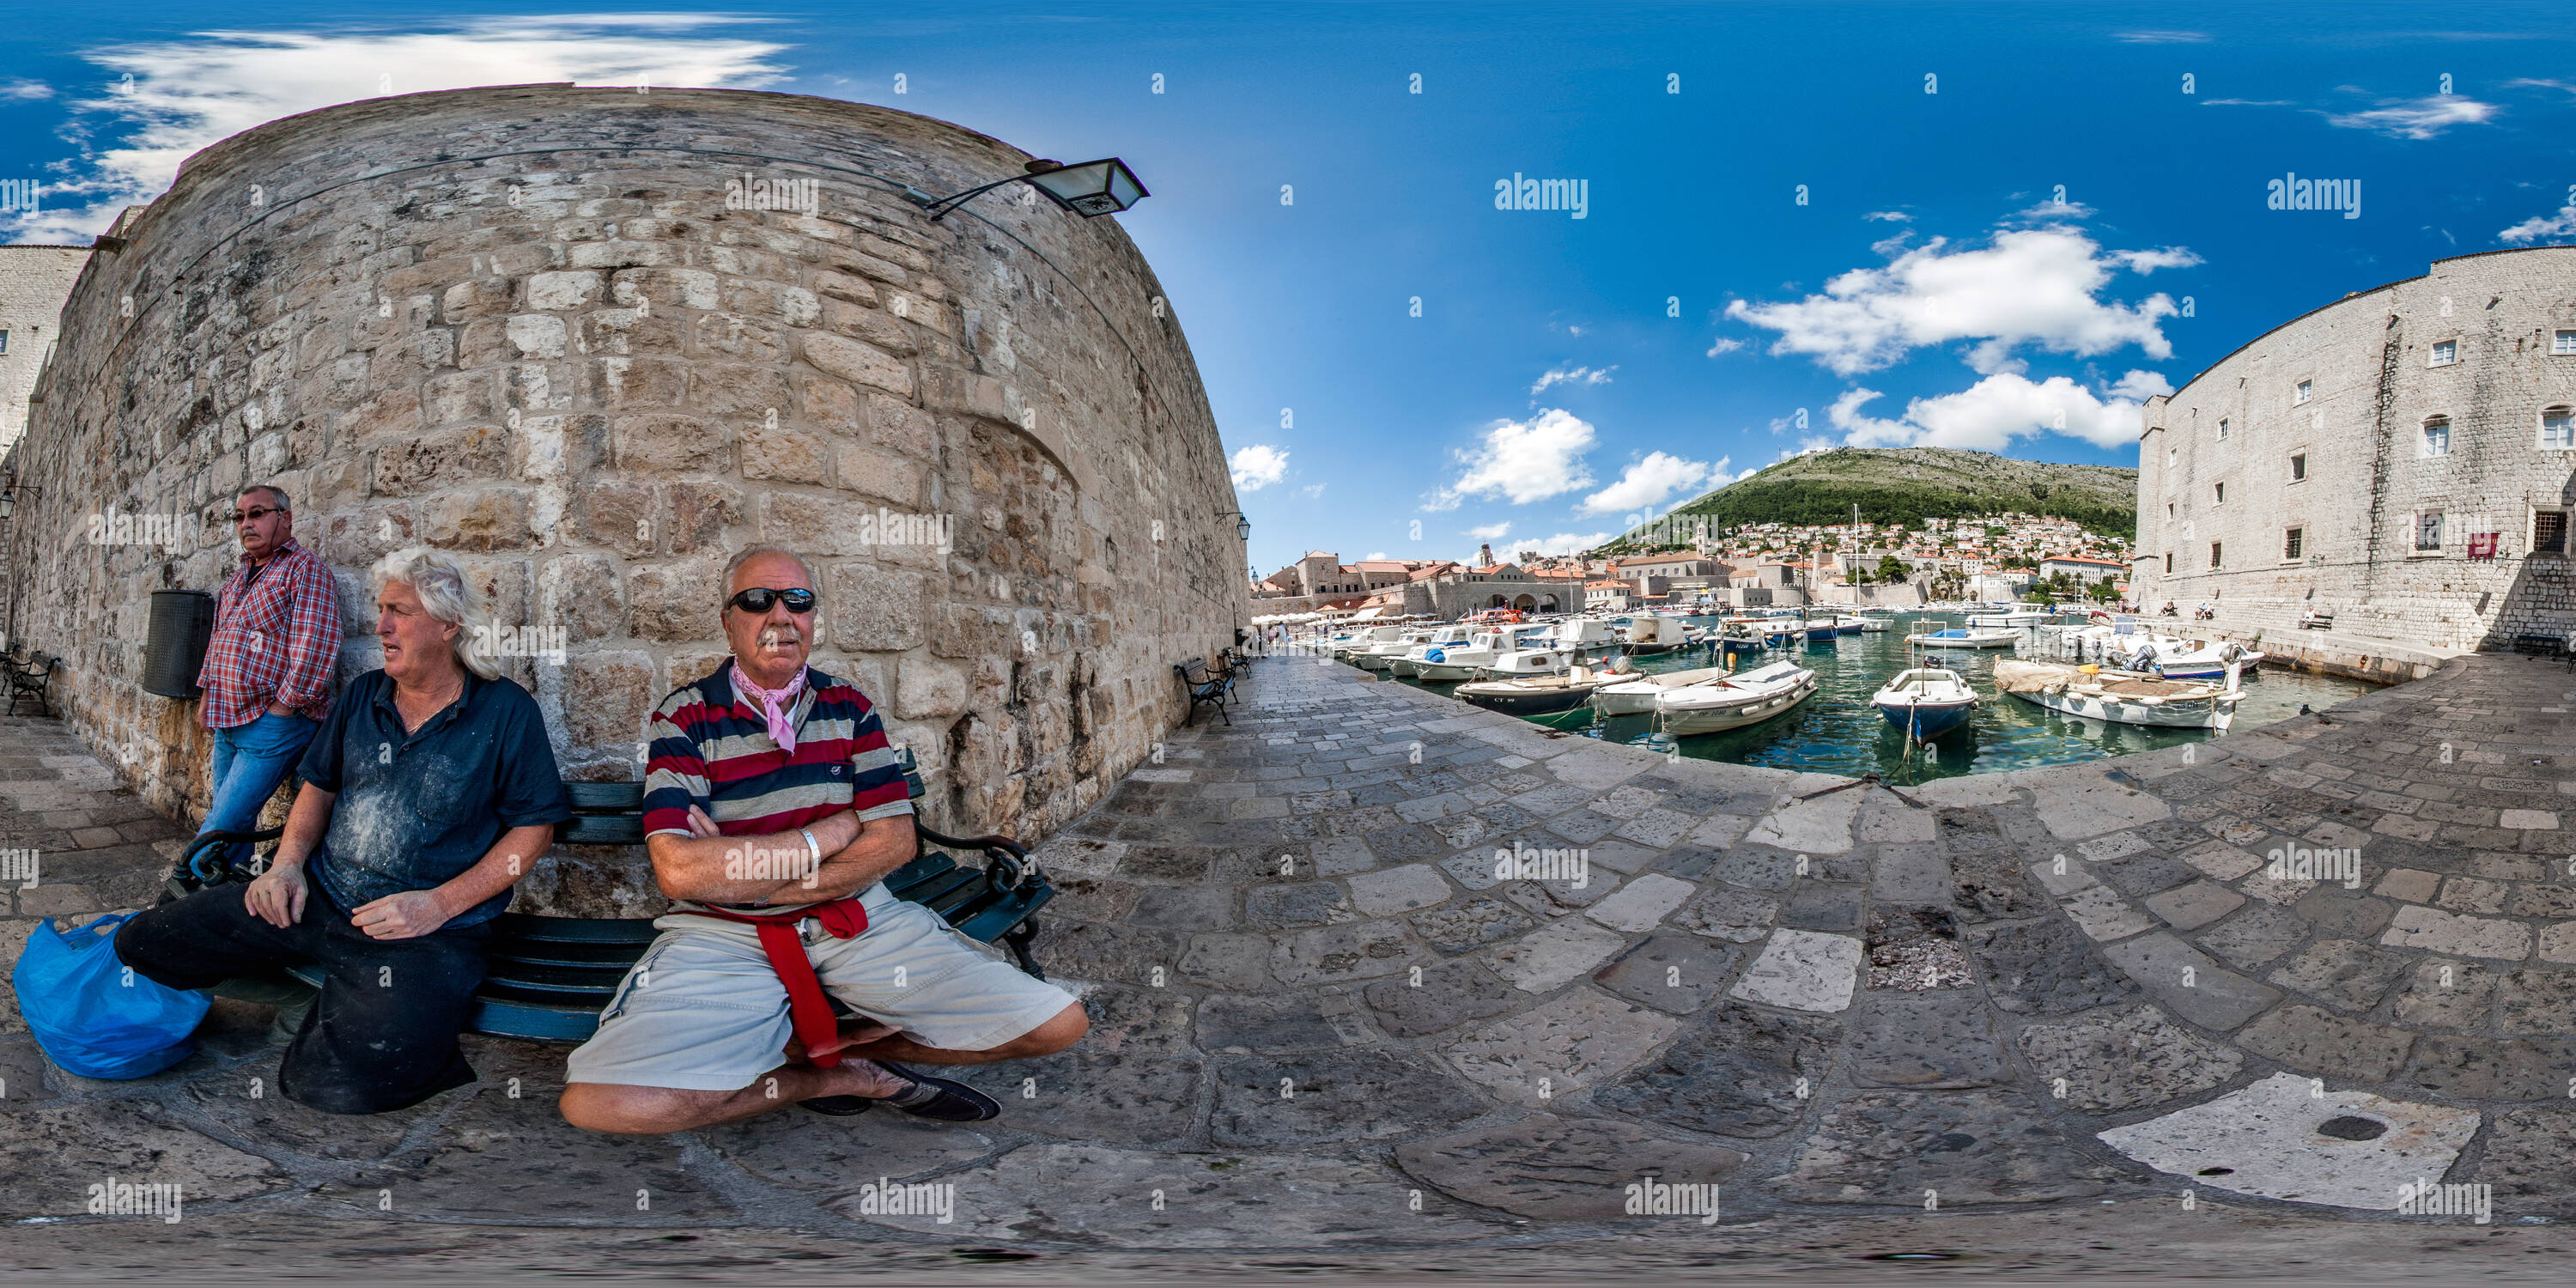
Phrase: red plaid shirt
x=277 y=639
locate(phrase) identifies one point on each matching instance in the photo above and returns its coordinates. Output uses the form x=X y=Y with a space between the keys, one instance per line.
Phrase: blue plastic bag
x=95 y=1017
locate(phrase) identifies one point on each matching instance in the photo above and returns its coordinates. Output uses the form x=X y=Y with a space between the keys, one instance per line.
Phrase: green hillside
x=1910 y=484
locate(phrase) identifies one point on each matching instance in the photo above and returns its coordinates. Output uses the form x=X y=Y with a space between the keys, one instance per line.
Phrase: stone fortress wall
x=538 y=326
x=2371 y=476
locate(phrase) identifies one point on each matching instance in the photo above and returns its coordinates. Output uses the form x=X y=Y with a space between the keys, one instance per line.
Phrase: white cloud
x=2052 y=208
x=2032 y=286
x=1890 y=216
x=1376 y=555
x=1988 y=415
x=1572 y=376
x=190 y=93
x=1523 y=461
x=1311 y=491
x=23 y=88
x=1564 y=543
x=2160 y=37
x=1648 y=482
x=2562 y=224
x=2422 y=118
x=1491 y=531
x=1724 y=345
x=1257 y=467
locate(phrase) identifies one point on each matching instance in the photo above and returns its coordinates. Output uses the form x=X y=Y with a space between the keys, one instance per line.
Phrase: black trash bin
x=174 y=643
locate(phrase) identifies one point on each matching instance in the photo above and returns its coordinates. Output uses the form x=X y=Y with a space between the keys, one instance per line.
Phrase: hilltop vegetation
x=1911 y=484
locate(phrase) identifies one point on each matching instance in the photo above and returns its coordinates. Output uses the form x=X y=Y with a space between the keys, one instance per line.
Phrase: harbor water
x=1837 y=731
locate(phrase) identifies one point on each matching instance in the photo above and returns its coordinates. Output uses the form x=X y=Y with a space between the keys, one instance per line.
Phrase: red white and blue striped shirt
x=711 y=748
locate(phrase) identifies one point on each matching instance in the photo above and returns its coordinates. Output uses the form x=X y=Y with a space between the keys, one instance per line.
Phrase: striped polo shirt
x=712 y=749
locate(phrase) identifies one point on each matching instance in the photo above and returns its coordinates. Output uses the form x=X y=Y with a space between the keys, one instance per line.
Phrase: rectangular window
x=2307 y=390
x=2168 y=562
x=2558 y=428
x=2222 y=429
x=2295 y=543
x=2169 y=511
x=2437 y=437
x=4 y=342
x=2428 y=530
x=2172 y=455
x=2214 y=553
x=2562 y=342
x=2222 y=494
x=2298 y=467
x=2549 y=532
x=2445 y=353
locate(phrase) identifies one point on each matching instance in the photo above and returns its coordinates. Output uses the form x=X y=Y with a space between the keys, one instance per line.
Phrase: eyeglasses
x=759 y=598
x=257 y=512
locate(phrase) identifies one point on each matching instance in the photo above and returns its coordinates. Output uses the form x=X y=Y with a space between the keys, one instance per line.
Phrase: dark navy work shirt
x=415 y=810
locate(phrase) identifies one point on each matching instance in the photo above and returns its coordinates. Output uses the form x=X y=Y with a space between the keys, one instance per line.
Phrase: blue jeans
x=250 y=761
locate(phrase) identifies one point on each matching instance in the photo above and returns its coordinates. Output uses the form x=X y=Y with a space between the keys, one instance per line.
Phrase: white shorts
x=703 y=1010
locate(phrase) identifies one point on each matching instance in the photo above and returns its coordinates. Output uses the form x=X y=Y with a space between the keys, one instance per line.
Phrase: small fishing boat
x=1849 y=624
x=1926 y=702
x=1482 y=650
x=2122 y=697
x=1875 y=620
x=1638 y=694
x=1537 y=695
x=1714 y=706
x=1650 y=636
x=1380 y=657
x=1442 y=640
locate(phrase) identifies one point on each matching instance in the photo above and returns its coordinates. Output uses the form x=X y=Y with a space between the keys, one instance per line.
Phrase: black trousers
x=382 y=1035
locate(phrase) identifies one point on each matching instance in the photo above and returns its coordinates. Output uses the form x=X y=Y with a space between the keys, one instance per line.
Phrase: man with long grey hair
x=428 y=792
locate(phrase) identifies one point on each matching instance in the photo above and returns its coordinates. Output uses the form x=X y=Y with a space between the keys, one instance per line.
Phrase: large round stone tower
x=597 y=340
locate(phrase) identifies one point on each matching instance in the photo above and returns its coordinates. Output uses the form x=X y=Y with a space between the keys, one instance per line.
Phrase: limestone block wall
x=33 y=282
x=595 y=341
x=2369 y=473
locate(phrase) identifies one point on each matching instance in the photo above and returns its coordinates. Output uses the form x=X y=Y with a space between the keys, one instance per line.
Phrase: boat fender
x=2231 y=652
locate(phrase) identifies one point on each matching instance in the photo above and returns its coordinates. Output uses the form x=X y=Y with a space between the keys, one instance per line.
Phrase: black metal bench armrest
x=207 y=850
x=1008 y=861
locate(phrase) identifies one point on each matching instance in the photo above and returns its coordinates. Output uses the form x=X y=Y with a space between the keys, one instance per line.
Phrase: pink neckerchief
x=775 y=705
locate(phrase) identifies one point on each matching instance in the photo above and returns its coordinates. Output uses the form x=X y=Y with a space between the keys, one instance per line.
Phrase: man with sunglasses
x=773 y=808
x=268 y=669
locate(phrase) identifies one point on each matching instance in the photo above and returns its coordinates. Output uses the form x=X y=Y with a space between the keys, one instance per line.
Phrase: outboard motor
x=2144 y=661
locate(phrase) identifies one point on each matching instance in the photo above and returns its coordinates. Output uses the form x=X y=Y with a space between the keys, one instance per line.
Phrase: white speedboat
x=2179 y=659
x=1367 y=637
x=1482 y=650
x=1964 y=637
x=1735 y=701
x=1926 y=702
x=2122 y=697
x=1636 y=695
x=1447 y=637
x=1648 y=636
x=1875 y=620
x=1379 y=657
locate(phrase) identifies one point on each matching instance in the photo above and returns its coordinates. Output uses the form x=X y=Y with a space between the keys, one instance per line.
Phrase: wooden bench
x=549 y=977
x=1205 y=687
x=2538 y=645
x=29 y=676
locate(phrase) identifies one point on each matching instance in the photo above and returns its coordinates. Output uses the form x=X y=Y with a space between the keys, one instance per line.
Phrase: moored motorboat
x=1734 y=702
x=1650 y=636
x=1964 y=637
x=1537 y=695
x=1442 y=640
x=2122 y=697
x=1926 y=702
x=1637 y=694
x=1482 y=650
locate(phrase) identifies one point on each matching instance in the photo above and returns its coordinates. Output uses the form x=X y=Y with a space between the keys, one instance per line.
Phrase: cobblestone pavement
x=2284 y=974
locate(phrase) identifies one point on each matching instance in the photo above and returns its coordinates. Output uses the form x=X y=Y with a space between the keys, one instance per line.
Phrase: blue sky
x=2004 y=263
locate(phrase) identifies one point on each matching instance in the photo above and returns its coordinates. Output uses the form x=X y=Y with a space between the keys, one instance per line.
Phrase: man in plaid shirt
x=268 y=671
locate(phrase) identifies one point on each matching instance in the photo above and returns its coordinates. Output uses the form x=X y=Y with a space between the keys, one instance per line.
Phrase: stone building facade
x=594 y=341
x=2404 y=458
x=34 y=280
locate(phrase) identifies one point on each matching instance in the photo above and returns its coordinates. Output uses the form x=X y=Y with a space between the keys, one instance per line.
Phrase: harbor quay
x=1370 y=968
